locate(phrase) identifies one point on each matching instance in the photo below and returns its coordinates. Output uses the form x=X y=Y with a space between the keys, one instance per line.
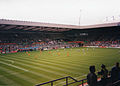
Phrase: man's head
x=92 y=69
x=102 y=66
x=117 y=64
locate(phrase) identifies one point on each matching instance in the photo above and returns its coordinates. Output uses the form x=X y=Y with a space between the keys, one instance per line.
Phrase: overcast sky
x=61 y=11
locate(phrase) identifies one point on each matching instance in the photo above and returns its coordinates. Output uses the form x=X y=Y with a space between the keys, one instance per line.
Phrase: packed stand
x=39 y=45
x=104 y=44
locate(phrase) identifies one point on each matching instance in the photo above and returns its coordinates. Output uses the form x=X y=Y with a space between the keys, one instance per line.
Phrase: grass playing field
x=31 y=68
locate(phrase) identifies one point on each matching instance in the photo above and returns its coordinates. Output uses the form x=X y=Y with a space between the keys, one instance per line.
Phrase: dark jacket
x=92 y=79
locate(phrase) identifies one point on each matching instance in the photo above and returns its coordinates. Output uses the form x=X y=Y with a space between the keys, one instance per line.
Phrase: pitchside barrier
x=70 y=81
x=66 y=80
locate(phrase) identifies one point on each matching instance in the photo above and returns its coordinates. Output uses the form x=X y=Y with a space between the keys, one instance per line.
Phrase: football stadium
x=34 y=53
x=59 y=43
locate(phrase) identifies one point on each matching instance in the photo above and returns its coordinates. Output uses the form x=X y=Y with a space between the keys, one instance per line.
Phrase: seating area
x=14 y=42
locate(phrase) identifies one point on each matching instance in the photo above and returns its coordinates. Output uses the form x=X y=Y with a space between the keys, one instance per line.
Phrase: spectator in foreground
x=92 y=77
x=104 y=75
x=115 y=72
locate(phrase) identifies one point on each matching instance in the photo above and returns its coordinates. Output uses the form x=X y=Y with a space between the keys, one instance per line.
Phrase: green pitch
x=31 y=68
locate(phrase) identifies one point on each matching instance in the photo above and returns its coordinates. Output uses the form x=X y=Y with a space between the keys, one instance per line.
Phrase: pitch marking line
x=14 y=66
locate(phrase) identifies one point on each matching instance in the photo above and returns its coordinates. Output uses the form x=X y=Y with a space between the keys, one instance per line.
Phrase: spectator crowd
x=106 y=78
x=39 y=45
x=105 y=44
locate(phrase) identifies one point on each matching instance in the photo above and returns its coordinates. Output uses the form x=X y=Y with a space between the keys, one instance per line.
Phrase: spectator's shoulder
x=88 y=74
x=113 y=68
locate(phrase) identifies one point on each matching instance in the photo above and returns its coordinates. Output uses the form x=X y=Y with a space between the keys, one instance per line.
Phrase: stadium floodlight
x=80 y=17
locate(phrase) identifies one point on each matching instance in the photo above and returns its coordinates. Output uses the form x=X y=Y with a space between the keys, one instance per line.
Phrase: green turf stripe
x=80 y=64
x=19 y=74
x=3 y=81
x=68 y=62
x=7 y=81
x=13 y=78
x=76 y=64
x=30 y=79
x=59 y=73
x=34 y=73
x=66 y=65
x=31 y=67
x=64 y=69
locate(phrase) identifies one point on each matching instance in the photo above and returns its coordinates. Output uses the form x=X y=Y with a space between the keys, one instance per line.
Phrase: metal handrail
x=66 y=78
x=82 y=82
x=116 y=83
x=77 y=81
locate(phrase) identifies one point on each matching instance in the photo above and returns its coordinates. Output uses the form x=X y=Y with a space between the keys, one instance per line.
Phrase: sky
x=70 y=12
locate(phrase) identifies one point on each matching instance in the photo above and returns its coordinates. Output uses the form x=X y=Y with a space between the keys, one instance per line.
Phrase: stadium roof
x=38 y=26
